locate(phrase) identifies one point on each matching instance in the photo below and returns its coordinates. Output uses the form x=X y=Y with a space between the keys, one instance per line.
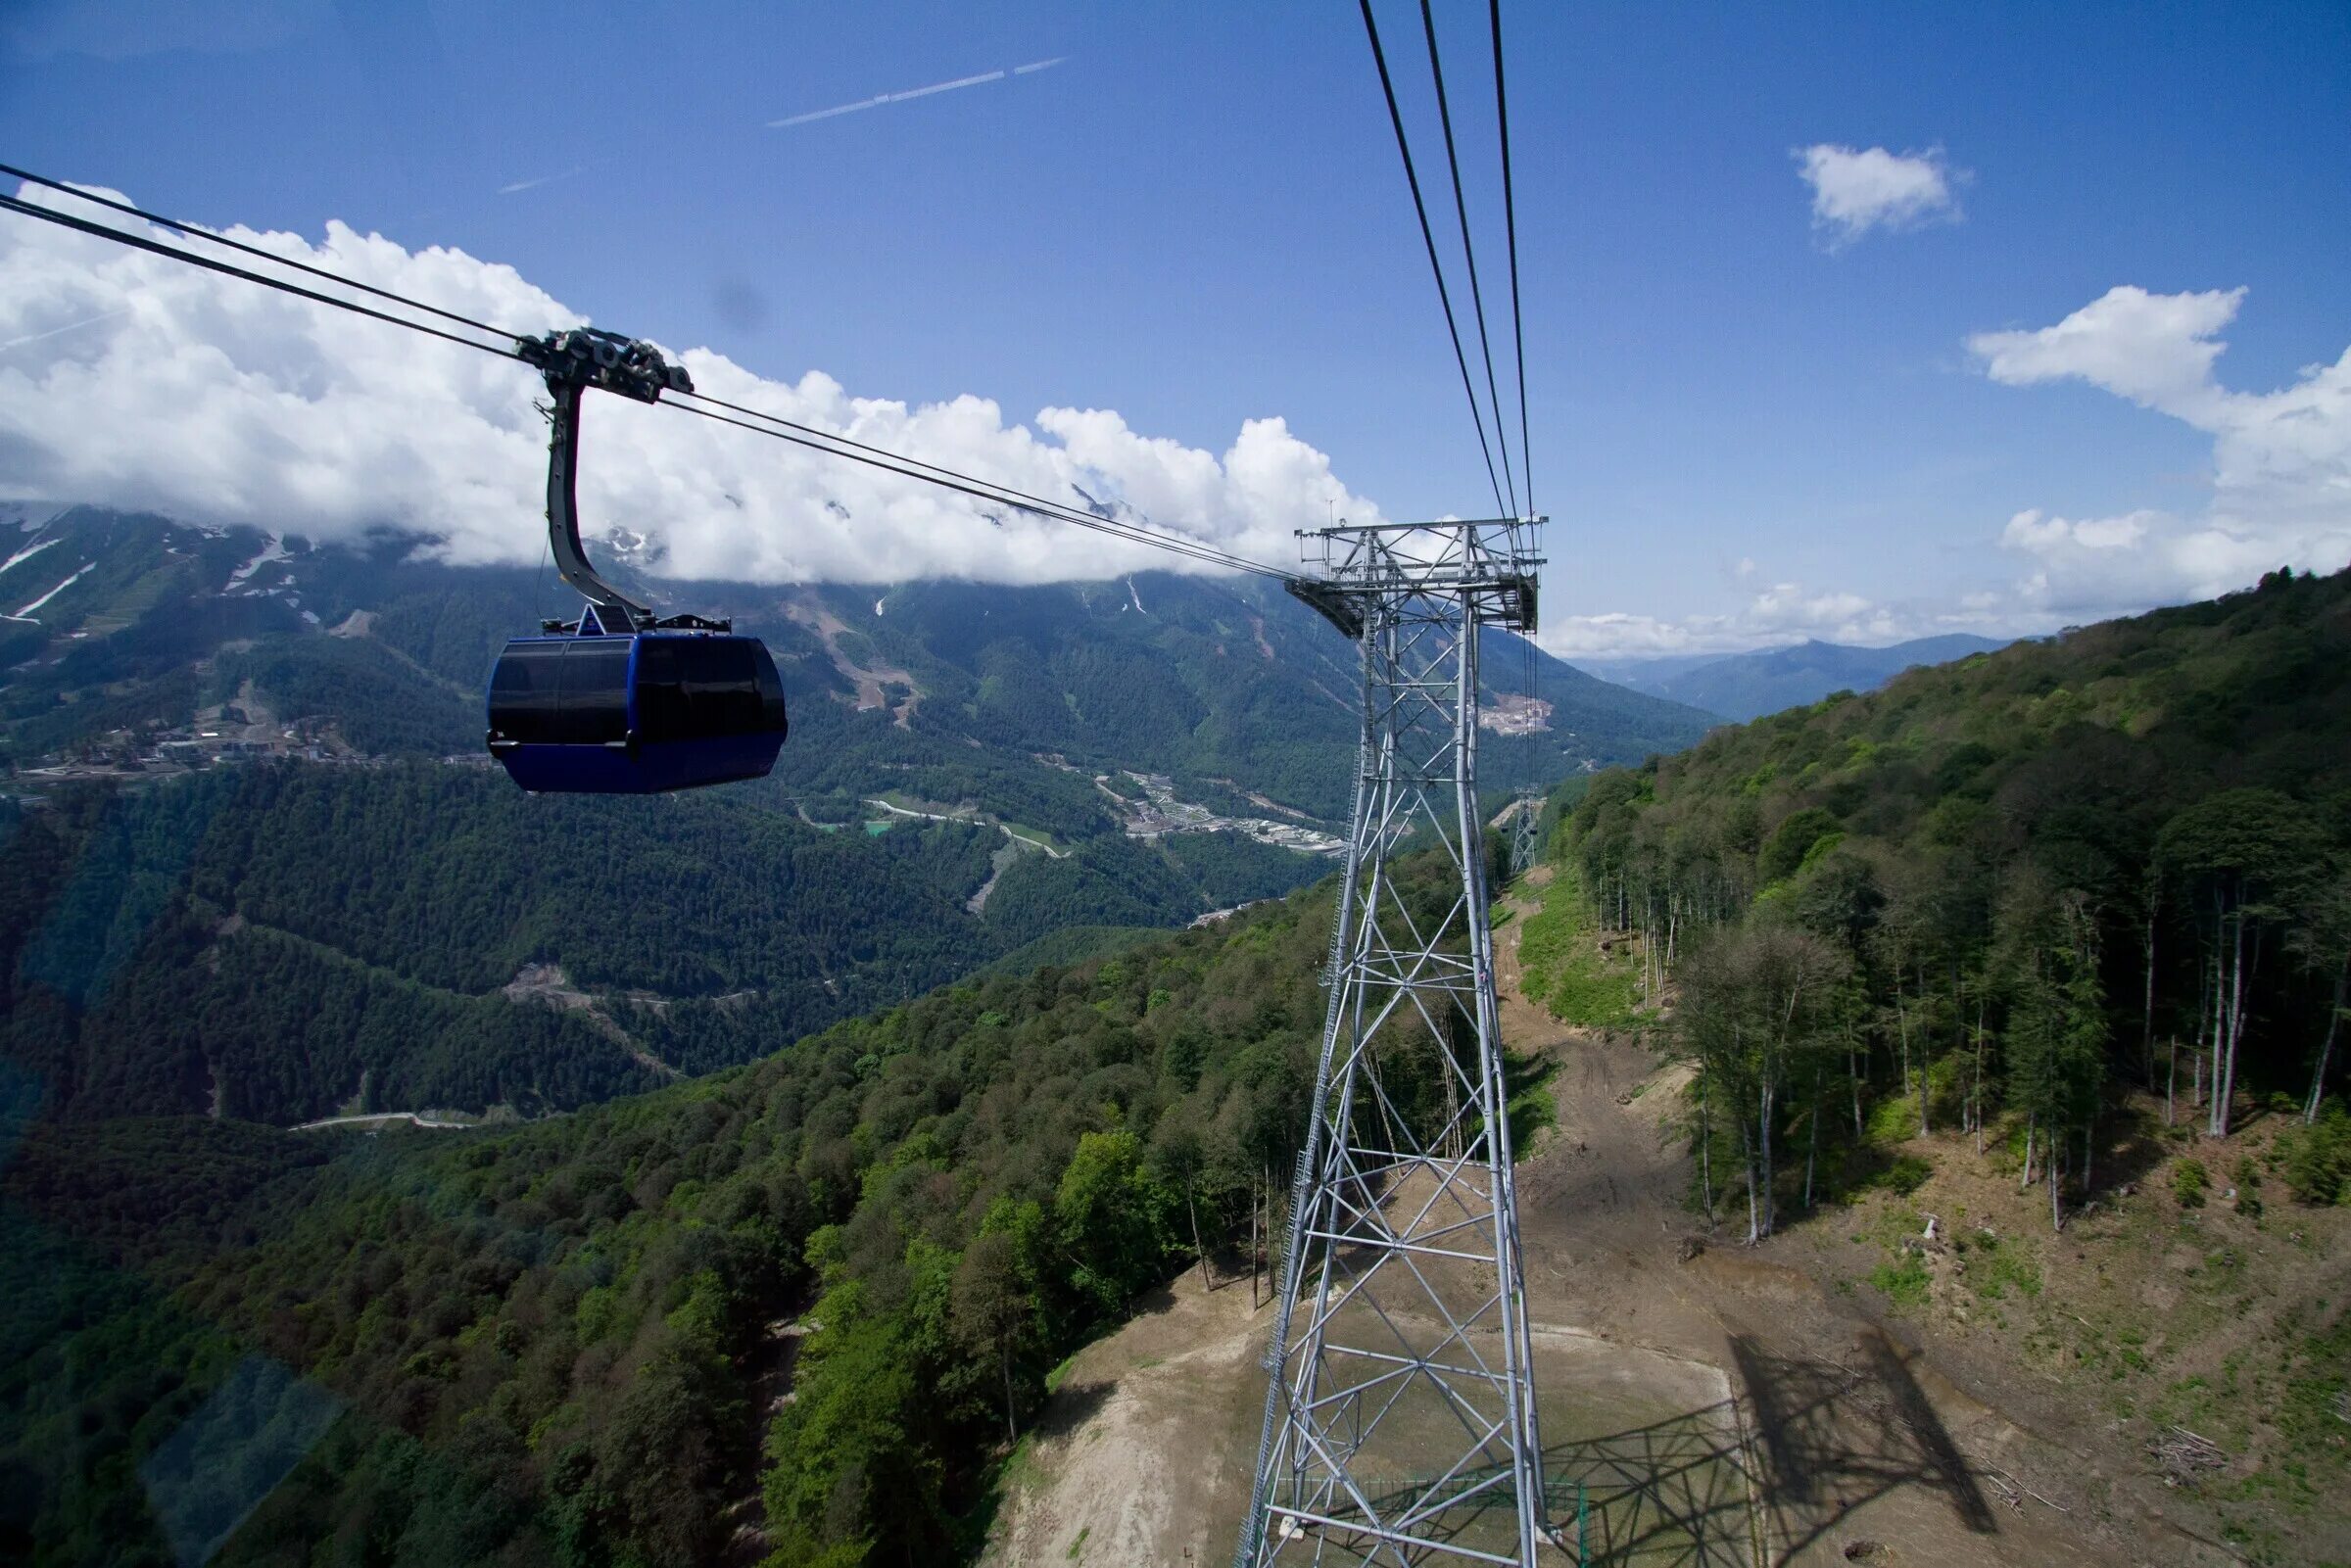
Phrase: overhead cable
x=1460 y=209
x=1510 y=218
x=978 y=489
x=985 y=489
x=143 y=242
x=1428 y=238
x=810 y=437
x=194 y=232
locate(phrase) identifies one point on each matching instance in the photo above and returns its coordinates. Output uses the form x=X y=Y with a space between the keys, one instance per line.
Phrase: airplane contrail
x=70 y=326
x=521 y=185
x=879 y=99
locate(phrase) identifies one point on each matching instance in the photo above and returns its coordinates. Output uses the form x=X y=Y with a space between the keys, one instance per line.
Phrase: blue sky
x=1747 y=427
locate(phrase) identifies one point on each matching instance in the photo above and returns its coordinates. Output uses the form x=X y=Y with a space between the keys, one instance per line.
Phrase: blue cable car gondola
x=622 y=701
x=634 y=714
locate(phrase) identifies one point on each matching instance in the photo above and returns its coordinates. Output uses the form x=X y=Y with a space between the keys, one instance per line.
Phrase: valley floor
x=1720 y=1404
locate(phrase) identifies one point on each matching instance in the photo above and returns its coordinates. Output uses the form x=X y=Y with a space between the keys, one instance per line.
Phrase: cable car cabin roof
x=634 y=714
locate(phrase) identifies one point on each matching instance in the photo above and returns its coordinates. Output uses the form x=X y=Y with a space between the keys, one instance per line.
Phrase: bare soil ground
x=872 y=682
x=1720 y=1404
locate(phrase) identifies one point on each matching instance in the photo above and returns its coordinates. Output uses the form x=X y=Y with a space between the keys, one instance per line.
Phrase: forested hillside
x=1207 y=680
x=2000 y=893
x=282 y=941
x=554 y=1344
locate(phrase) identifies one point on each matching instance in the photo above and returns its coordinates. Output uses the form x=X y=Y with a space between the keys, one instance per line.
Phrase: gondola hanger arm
x=573 y=360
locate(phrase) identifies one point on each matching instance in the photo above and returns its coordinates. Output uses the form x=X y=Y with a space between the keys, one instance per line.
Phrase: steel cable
x=1428 y=238
x=809 y=436
x=1509 y=218
x=194 y=231
x=1460 y=209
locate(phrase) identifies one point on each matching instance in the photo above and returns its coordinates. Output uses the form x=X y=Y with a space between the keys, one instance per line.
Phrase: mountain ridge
x=1748 y=686
x=161 y=625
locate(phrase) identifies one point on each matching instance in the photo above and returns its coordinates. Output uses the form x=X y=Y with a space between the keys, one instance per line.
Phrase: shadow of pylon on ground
x=1831 y=1436
x=1673 y=1493
x=1827 y=1438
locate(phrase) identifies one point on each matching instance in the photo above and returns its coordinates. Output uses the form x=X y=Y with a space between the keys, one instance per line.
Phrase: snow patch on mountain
x=29 y=552
x=26 y=613
x=273 y=548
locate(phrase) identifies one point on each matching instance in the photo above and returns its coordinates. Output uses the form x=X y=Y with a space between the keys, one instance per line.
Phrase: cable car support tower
x=1526 y=818
x=1400 y=1408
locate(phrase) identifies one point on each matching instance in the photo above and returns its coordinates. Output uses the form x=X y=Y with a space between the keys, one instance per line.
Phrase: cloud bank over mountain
x=135 y=381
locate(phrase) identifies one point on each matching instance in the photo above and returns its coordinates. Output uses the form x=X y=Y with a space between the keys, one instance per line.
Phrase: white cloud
x=1857 y=190
x=2282 y=460
x=1782 y=612
x=2048 y=536
x=2155 y=349
x=218 y=401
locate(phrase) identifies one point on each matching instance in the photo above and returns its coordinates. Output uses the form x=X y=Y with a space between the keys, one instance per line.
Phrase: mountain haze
x=1748 y=686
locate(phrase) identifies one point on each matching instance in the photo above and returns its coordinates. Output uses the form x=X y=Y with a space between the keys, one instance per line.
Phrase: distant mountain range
x=1748 y=686
x=118 y=626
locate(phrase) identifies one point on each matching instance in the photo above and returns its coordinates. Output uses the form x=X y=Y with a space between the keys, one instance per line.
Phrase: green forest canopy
x=2120 y=854
x=542 y=1339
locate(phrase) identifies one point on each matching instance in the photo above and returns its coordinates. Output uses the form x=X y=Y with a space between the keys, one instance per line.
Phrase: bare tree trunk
x=2032 y=1127
x=2171 y=1081
x=1976 y=1092
x=1193 y=1210
x=2056 y=1175
x=1901 y=1021
x=1748 y=1148
x=1853 y=1071
x=2147 y=1008
x=2335 y=1018
x=1011 y=1428
x=2204 y=1004
x=1763 y=1124
x=1253 y=1202
x=2231 y=1024
x=1706 y=1150
x=2224 y=1068
x=1813 y=1154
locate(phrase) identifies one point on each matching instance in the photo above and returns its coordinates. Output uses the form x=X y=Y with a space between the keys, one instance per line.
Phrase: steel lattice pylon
x=1526 y=814
x=1400 y=1408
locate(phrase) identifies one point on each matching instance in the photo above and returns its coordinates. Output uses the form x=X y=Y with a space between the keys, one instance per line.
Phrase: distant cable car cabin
x=622 y=701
